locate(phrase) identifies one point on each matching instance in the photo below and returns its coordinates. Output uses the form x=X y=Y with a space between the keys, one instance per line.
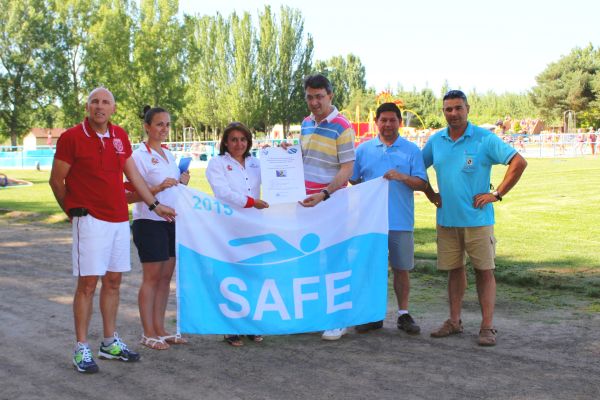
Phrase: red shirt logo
x=154 y=161
x=118 y=145
x=229 y=168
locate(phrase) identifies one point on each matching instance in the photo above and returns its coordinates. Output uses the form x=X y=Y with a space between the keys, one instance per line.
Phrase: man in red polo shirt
x=87 y=181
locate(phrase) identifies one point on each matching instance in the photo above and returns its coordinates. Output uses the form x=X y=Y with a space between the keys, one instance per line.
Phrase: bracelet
x=326 y=193
x=152 y=206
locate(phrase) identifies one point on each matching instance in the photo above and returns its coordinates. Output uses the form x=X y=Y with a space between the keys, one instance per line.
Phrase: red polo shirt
x=95 y=180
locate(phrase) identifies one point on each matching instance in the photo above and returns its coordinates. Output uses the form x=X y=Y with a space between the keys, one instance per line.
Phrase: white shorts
x=100 y=246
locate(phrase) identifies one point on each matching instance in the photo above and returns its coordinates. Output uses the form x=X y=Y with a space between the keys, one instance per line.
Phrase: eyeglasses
x=455 y=94
x=317 y=97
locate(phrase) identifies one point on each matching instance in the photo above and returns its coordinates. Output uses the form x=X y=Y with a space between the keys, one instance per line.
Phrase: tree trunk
x=286 y=129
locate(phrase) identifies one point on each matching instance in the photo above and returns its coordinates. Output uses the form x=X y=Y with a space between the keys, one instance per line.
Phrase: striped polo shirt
x=325 y=146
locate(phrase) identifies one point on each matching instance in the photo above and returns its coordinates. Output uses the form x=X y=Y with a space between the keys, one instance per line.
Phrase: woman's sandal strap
x=153 y=343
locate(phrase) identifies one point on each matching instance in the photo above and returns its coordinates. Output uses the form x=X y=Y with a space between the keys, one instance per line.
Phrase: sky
x=472 y=44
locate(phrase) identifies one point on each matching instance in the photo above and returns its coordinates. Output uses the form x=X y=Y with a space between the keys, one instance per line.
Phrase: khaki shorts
x=454 y=244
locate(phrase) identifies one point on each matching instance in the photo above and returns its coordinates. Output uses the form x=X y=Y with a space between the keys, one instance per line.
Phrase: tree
x=107 y=57
x=266 y=64
x=158 y=59
x=243 y=88
x=568 y=84
x=205 y=96
x=591 y=116
x=65 y=58
x=294 y=61
x=347 y=76
x=23 y=40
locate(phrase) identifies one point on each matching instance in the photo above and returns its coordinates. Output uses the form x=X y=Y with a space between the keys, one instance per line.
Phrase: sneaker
x=447 y=329
x=487 y=337
x=334 y=334
x=117 y=350
x=83 y=360
x=407 y=324
x=371 y=326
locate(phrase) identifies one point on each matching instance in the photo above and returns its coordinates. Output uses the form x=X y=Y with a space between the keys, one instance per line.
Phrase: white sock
x=107 y=341
x=402 y=312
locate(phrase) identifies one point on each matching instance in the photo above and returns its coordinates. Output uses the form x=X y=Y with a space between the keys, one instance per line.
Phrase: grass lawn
x=548 y=226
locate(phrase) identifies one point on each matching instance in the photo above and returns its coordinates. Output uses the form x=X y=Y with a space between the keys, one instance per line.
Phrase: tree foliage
x=294 y=62
x=158 y=61
x=347 y=76
x=205 y=97
x=571 y=83
x=211 y=70
x=206 y=70
x=23 y=41
x=65 y=57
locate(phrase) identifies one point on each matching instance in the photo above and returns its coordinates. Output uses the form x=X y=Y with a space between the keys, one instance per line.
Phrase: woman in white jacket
x=234 y=176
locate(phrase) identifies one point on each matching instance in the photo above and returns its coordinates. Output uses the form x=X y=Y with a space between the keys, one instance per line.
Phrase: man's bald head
x=99 y=90
x=100 y=107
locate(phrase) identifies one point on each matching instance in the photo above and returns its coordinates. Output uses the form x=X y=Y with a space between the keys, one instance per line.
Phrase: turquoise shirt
x=373 y=159
x=463 y=169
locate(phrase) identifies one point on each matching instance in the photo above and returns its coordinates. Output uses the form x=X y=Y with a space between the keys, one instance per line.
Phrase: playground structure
x=367 y=130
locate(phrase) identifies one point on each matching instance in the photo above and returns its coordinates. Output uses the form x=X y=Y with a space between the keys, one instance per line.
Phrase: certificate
x=282 y=175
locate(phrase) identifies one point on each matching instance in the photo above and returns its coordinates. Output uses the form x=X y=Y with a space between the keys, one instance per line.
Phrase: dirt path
x=542 y=354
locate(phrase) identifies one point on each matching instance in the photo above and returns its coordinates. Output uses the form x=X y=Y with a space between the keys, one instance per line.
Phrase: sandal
x=255 y=338
x=174 y=339
x=234 y=340
x=487 y=337
x=447 y=329
x=154 y=343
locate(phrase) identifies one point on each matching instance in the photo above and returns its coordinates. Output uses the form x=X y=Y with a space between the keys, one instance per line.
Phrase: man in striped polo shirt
x=327 y=141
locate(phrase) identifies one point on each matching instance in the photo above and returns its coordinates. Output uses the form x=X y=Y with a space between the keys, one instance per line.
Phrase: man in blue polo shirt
x=400 y=161
x=462 y=156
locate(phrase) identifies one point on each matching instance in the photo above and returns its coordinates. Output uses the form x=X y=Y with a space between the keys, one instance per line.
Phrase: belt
x=78 y=212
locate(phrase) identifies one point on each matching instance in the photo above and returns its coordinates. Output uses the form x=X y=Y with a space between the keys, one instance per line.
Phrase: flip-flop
x=174 y=339
x=154 y=343
x=234 y=340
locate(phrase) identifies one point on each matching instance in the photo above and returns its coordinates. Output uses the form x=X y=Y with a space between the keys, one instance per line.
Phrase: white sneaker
x=334 y=334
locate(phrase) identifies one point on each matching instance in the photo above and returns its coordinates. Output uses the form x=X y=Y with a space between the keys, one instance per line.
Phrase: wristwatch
x=326 y=193
x=497 y=195
x=152 y=206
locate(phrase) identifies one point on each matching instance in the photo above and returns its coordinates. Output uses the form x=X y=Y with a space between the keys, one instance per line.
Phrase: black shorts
x=155 y=240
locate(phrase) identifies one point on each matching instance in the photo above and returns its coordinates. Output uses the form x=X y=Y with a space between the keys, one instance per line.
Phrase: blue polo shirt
x=463 y=169
x=374 y=158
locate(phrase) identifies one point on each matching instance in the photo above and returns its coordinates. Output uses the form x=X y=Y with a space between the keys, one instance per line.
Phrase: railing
x=532 y=146
x=17 y=157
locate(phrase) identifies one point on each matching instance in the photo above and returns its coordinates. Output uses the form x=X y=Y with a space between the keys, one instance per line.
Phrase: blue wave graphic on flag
x=288 y=290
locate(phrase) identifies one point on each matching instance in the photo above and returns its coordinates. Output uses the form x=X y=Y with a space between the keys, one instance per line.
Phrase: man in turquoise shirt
x=462 y=155
x=400 y=161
